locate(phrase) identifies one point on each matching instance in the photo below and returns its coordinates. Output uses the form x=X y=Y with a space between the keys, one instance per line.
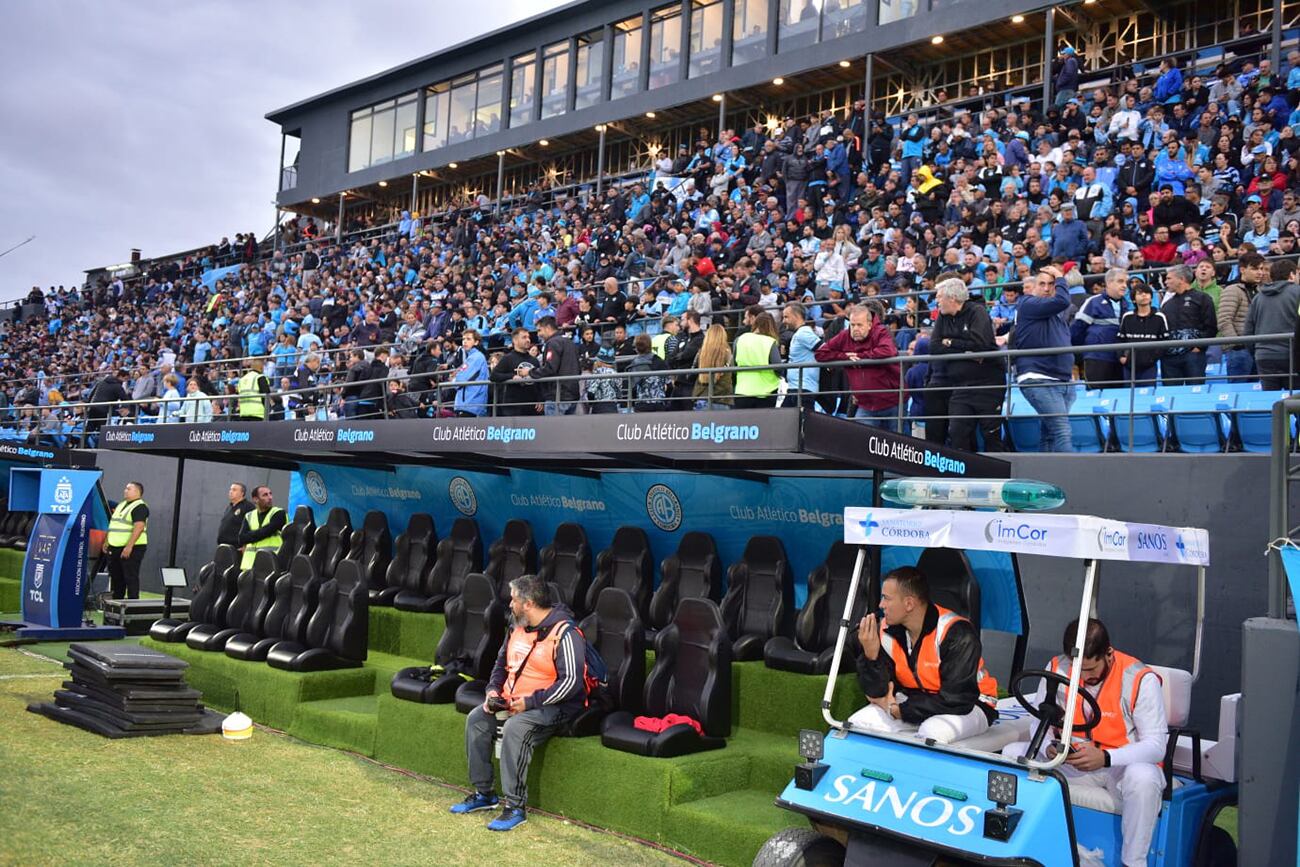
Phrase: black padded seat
x=617 y=632
x=476 y=627
x=296 y=538
x=952 y=581
x=566 y=563
x=263 y=577
x=625 y=564
x=338 y=630
x=372 y=547
x=408 y=573
x=694 y=571
x=251 y=599
x=692 y=677
x=512 y=555
x=211 y=575
x=459 y=554
x=816 y=626
x=24 y=531
x=331 y=542
x=295 y=596
x=226 y=590
x=760 y=597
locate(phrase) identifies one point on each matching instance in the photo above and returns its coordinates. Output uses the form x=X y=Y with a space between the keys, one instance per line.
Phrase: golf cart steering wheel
x=1049 y=713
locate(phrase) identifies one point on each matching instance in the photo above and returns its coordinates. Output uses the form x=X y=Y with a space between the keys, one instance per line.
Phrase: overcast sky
x=140 y=124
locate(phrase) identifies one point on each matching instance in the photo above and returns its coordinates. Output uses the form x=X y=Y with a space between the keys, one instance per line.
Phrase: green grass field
x=71 y=797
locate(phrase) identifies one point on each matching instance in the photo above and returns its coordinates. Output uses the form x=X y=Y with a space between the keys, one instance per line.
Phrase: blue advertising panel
x=54 y=569
x=805 y=512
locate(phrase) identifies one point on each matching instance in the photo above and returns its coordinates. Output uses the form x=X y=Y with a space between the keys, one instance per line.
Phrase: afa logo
x=663 y=508
x=316 y=487
x=461 y=493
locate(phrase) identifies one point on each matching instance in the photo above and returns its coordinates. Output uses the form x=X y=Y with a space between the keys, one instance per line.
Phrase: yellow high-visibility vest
x=121 y=522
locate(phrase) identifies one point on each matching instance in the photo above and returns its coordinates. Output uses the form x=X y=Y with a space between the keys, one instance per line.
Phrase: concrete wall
x=203 y=499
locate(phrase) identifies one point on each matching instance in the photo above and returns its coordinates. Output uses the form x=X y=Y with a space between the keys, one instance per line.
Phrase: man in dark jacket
x=688 y=349
x=105 y=395
x=559 y=358
x=517 y=392
x=358 y=370
x=875 y=388
x=1191 y=315
x=1096 y=324
x=232 y=520
x=964 y=326
x=1044 y=380
x=427 y=363
x=370 y=399
x=1273 y=311
x=928 y=655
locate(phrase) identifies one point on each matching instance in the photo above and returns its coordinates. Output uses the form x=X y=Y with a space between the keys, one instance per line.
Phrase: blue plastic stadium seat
x=1148 y=424
x=1198 y=423
x=1240 y=386
x=1023 y=428
x=1254 y=419
x=1088 y=426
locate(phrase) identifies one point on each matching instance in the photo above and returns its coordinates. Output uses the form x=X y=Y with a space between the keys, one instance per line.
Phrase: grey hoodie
x=1273 y=311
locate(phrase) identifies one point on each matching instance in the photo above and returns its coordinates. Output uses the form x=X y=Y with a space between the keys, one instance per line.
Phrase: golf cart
x=895 y=799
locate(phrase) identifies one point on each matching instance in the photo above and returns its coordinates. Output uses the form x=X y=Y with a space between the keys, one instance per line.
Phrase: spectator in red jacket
x=1160 y=251
x=876 y=388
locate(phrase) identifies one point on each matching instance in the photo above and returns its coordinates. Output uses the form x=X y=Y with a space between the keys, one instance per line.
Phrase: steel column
x=1049 y=37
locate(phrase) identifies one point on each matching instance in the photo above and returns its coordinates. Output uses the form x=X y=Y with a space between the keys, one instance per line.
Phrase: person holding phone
x=922 y=666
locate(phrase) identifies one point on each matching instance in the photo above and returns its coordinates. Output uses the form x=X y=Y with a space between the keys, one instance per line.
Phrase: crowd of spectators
x=1147 y=208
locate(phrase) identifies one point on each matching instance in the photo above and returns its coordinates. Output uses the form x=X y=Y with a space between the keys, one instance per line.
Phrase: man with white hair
x=963 y=326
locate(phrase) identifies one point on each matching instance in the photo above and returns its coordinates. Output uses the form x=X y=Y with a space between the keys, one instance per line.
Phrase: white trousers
x=942 y=728
x=1139 y=789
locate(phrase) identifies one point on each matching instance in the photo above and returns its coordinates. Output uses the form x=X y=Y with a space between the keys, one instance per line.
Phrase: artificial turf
x=75 y=798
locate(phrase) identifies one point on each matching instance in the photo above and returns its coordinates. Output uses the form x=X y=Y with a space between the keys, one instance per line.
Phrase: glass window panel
x=799 y=20
x=706 y=37
x=436 y=100
x=487 y=118
x=665 y=46
x=460 y=126
x=896 y=10
x=749 y=31
x=843 y=17
x=555 y=79
x=404 y=144
x=359 y=145
x=381 y=136
x=523 y=89
x=627 y=58
x=590 y=67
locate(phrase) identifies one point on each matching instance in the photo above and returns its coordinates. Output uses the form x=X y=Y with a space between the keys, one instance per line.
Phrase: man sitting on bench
x=922 y=666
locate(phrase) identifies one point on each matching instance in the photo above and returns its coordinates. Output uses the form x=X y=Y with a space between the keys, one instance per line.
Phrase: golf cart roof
x=1083 y=537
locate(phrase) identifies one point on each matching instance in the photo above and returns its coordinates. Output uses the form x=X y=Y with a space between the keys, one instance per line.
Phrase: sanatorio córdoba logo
x=316 y=487
x=663 y=508
x=462 y=496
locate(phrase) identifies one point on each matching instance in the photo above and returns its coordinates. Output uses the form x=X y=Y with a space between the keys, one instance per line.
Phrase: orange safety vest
x=1116 y=698
x=530 y=668
x=928 y=657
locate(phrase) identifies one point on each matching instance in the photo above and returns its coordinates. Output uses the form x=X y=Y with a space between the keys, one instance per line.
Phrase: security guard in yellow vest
x=757 y=348
x=253 y=388
x=262 y=526
x=127 y=540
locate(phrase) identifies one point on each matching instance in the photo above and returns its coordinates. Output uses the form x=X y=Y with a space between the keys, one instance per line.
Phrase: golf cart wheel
x=1217 y=849
x=799 y=847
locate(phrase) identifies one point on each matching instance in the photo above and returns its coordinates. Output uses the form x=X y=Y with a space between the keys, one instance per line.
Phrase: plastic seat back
x=1176 y=689
x=304 y=590
x=566 y=563
x=760 y=596
x=459 y=554
x=413 y=555
x=512 y=555
x=296 y=538
x=692 y=670
x=475 y=628
x=262 y=577
x=952 y=581
x=625 y=564
x=694 y=571
x=1197 y=420
x=618 y=634
x=817 y=624
x=331 y=543
x=1147 y=423
x=372 y=549
x=211 y=577
x=1254 y=419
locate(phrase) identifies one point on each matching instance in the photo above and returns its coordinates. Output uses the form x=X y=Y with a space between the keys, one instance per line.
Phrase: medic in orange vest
x=922 y=667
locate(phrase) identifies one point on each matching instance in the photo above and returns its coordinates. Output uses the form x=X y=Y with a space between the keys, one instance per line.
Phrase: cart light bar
x=951 y=794
x=1025 y=495
x=882 y=776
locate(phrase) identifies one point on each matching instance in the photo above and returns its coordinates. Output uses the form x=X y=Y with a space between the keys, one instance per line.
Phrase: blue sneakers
x=475 y=802
x=511 y=817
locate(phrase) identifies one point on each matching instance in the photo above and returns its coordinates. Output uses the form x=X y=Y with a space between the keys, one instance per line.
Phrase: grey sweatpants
x=520 y=735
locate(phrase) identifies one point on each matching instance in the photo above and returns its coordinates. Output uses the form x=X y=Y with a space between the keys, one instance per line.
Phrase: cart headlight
x=811 y=747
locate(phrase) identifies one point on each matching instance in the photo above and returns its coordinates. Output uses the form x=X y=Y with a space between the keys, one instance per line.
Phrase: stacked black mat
x=124 y=691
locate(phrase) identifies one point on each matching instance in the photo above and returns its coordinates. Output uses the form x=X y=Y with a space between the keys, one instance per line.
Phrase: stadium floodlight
x=717 y=97
x=383 y=183
x=650 y=114
x=845 y=64
x=778 y=81
x=1017 y=19
x=451 y=165
x=543 y=142
x=315 y=201
x=936 y=39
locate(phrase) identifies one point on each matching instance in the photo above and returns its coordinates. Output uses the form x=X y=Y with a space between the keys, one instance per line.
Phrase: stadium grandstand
x=959 y=237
